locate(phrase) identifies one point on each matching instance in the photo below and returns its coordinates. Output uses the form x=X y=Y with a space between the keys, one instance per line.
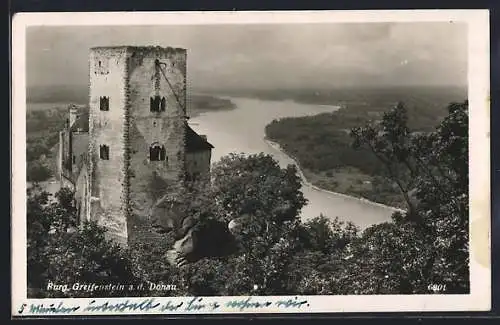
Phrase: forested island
x=323 y=144
x=198 y=104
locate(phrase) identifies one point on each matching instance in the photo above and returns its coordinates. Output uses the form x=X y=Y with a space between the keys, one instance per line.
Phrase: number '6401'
x=436 y=287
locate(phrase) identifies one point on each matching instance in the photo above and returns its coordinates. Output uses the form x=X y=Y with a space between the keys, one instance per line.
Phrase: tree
x=37 y=172
x=389 y=258
x=150 y=265
x=62 y=252
x=327 y=235
x=256 y=185
x=434 y=166
x=389 y=140
x=321 y=266
x=35 y=149
x=265 y=201
x=443 y=196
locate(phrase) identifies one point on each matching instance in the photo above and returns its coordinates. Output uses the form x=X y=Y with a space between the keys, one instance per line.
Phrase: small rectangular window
x=104 y=152
x=104 y=103
x=74 y=159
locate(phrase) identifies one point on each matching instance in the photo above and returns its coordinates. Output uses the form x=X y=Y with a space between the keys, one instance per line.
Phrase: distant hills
x=434 y=96
x=79 y=93
x=58 y=93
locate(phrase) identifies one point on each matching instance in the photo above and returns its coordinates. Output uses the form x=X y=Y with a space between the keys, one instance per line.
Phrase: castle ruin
x=133 y=143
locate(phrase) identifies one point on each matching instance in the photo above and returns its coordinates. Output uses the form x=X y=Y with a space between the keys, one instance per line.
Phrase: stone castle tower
x=140 y=147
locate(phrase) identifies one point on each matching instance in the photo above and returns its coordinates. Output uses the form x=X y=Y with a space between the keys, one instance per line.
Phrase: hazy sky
x=294 y=55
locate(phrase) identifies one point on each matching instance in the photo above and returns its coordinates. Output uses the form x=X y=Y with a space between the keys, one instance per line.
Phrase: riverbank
x=307 y=182
x=323 y=145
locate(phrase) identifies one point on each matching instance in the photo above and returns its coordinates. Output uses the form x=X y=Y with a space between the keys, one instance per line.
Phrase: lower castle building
x=132 y=144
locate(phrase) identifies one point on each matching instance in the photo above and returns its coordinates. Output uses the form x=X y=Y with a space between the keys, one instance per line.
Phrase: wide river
x=242 y=130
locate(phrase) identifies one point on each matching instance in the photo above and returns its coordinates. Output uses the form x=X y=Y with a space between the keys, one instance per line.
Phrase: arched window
x=157 y=152
x=104 y=152
x=157 y=104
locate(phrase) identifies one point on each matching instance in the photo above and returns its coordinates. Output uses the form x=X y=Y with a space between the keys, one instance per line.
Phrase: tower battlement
x=149 y=48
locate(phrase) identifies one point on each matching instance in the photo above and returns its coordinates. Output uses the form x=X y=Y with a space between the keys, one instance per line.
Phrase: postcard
x=250 y=162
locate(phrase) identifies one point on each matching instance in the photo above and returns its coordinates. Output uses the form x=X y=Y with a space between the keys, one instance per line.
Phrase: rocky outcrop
x=182 y=249
x=195 y=239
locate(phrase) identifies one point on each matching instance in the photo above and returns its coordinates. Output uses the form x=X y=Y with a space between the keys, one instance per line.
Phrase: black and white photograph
x=268 y=163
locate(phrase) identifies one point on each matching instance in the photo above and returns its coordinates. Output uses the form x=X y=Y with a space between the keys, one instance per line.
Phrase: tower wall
x=124 y=188
x=108 y=78
x=60 y=155
x=198 y=164
x=150 y=180
x=80 y=145
x=82 y=195
x=65 y=154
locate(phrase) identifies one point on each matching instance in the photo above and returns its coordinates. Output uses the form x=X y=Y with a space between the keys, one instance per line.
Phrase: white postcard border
x=479 y=298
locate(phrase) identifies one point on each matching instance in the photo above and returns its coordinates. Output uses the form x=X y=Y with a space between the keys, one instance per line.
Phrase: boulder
x=186 y=245
x=194 y=240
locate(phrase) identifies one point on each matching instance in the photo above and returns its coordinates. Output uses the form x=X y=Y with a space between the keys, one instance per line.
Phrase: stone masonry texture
x=128 y=184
